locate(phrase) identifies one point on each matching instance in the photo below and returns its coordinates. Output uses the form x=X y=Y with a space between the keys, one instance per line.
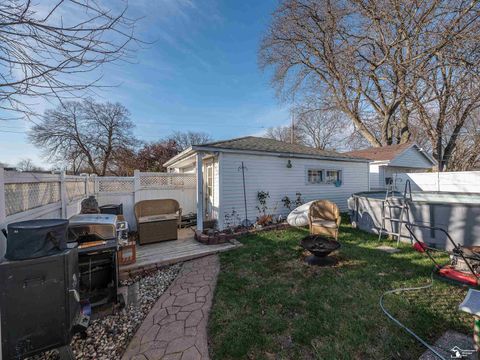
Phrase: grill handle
x=76 y=295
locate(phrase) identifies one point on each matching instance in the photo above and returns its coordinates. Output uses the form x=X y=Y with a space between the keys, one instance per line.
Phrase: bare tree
x=323 y=129
x=446 y=100
x=284 y=133
x=184 y=140
x=46 y=54
x=27 y=165
x=315 y=125
x=372 y=58
x=84 y=134
x=466 y=155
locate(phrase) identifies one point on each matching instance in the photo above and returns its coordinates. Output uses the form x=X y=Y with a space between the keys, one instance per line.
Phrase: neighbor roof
x=384 y=153
x=254 y=144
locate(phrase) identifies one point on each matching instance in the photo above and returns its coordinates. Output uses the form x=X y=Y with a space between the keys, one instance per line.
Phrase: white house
x=387 y=161
x=279 y=168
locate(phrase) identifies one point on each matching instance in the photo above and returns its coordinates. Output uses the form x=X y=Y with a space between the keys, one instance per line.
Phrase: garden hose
x=408 y=330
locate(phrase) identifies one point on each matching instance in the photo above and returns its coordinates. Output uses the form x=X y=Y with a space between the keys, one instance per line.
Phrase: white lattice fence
x=33 y=195
x=166 y=181
x=21 y=197
x=115 y=184
x=76 y=188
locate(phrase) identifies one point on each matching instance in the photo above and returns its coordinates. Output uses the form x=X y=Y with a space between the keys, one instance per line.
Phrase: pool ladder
x=388 y=204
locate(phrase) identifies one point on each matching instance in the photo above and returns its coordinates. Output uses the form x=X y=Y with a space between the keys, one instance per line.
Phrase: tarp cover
x=36 y=238
x=299 y=216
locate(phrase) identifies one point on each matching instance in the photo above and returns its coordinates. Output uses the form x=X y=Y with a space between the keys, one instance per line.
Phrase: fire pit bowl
x=320 y=247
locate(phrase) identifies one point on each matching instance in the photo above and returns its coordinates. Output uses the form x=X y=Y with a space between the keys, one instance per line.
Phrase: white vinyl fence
x=28 y=196
x=458 y=181
x=146 y=186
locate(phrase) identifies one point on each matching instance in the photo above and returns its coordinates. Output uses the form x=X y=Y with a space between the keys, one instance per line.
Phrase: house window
x=314 y=176
x=324 y=176
x=333 y=176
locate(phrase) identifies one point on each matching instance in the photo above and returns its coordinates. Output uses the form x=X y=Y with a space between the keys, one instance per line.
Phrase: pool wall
x=459 y=214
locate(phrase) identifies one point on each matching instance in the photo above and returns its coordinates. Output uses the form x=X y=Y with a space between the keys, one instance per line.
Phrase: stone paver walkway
x=176 y=326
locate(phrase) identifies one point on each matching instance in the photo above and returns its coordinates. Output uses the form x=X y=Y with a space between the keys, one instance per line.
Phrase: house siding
x=411 y=158
x=187 y=170
x=374 y=176
x=410 y=161
x=269 y=173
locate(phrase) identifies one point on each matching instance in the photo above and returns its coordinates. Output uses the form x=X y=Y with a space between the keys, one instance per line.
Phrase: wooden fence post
x=63 y=195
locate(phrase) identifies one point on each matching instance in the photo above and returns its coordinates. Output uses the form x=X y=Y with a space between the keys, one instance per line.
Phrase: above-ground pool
x=457 y=213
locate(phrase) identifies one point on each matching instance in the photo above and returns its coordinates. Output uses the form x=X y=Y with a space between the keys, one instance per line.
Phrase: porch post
x=199 y=157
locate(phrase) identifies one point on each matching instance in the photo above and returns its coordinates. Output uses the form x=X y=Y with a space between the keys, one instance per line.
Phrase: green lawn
x=270 y=305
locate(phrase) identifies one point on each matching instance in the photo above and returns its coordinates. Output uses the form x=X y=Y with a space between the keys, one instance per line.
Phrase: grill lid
x=88 y=227
x=104 y=219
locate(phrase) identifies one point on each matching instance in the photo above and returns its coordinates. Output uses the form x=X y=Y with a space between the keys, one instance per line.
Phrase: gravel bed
x=108 y=337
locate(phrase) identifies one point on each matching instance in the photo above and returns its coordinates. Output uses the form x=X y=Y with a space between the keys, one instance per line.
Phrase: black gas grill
x=45 y=280
x=97 y=238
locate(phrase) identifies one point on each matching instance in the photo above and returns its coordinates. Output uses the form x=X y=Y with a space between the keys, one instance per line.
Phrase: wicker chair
x=157 y=220
x=324 y=218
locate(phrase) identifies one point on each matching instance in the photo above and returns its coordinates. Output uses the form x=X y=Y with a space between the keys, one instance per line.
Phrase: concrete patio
x=171 y=252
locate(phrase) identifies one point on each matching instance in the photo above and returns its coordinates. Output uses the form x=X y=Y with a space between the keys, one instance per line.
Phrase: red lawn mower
x=464 y=265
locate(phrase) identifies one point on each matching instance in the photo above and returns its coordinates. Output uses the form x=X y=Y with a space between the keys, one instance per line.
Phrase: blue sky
x=200 y=74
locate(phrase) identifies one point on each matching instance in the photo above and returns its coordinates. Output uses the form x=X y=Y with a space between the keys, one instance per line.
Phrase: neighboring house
x=394 y=159
x=279 y=168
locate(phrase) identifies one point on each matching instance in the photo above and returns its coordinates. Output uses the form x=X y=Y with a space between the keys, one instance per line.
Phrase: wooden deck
x=171 y=252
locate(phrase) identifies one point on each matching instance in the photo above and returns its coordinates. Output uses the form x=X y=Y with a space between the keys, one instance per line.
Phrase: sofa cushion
x=161 y=217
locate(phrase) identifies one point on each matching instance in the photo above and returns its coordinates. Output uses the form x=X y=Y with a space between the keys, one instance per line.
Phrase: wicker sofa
x=157 y=220
x=324 y=218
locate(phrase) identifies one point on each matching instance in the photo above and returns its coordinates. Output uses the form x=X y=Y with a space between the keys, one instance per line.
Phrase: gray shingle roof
x=381 y=153
x=253 y=143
